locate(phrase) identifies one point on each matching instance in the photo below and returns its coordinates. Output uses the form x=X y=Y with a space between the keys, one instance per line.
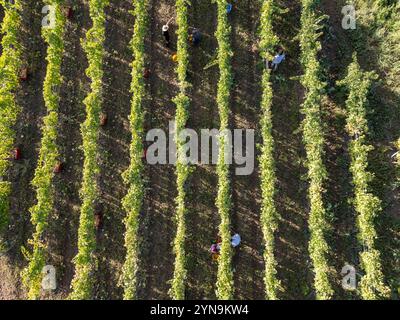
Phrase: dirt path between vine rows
x=159 y=204
x=336 y=55
x=294 y=266
x=246 y=193
x=114 y=144
x=202 y=218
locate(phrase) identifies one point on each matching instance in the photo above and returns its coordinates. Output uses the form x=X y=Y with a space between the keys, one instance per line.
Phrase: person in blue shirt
x=195 y=36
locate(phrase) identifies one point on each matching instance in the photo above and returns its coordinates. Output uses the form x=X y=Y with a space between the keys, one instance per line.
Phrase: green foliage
x=10 y=65
x=269 y=215
x=133 y=200
x=4 y=203
x=48 y=153
x=225 y=288
x=85 y=262
x=367 y=205
x=390 y=49
x=313 y=137
x=182 y=168
x=389 y=57
x=380 y=37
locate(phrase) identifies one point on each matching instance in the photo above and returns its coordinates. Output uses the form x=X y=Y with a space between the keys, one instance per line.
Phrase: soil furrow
x=159 y=204
x=336 y=55
x=248 y=263
x=294 y=267
x=114 y=148
x=202 y=212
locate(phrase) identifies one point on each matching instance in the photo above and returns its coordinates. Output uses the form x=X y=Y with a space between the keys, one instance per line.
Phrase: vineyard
x=85 y=211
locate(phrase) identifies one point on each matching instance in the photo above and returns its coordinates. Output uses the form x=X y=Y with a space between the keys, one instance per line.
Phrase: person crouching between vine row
x=216 y=247
x=279 y=57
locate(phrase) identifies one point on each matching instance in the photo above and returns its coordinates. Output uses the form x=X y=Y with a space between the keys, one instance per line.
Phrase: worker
x=23 y=74
x=229 y=8
x=103 y=119
x=215 y=248
x=195 y=36
x=165 y=32
x=99 y=220
x=235 y=240
x=68 y=12
x=279 y=57
x=146 y=73
x=174 y=57
x=58 y=167
x=16 y=154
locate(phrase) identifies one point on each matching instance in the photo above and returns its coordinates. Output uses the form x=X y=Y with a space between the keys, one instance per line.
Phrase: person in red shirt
x=17 y=154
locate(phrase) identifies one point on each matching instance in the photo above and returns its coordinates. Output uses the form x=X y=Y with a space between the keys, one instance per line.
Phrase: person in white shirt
x=277 y=60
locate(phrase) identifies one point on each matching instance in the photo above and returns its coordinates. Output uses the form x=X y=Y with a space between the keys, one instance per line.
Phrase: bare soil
x=159 y=201
x=202 y=217
x=246 y=95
